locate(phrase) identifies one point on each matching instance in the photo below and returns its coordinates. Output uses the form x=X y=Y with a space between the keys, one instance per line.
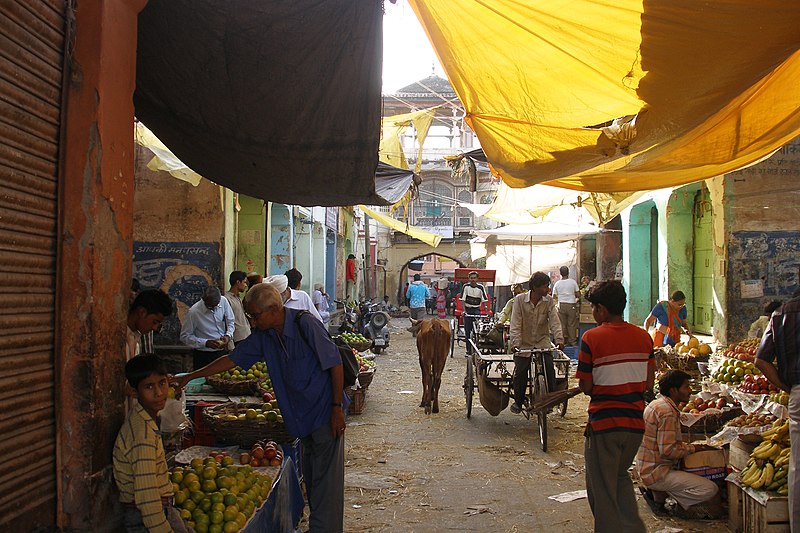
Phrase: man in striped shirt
x=615 y=368
x=140 y=467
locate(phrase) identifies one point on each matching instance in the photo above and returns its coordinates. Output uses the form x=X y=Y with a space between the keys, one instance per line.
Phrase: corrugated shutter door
x=32 y=40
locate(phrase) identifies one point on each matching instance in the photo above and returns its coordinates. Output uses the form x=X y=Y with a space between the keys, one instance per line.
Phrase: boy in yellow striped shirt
x=140 y=467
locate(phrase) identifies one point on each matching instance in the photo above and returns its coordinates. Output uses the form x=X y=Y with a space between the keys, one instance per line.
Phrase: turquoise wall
x=280 y=256
x=638 y=270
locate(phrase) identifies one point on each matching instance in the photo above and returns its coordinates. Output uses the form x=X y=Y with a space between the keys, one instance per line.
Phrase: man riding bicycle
x=472 y=295
x=533 y=319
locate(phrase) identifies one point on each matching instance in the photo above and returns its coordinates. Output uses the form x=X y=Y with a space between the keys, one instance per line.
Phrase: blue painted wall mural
x=181 y=269
x=771 y=257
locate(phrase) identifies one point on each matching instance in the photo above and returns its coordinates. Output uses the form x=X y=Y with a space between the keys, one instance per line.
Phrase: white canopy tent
x=516 y=251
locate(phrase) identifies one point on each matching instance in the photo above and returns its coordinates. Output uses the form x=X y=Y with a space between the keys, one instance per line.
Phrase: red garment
x=441 y=303
x=351 y=269
x=616 y=357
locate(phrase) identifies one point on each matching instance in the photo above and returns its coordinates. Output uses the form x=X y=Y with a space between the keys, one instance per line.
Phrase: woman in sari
x=669 y=318
x=441 y=298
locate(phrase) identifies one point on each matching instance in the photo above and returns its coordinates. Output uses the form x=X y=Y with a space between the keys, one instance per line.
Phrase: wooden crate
x=734 y=507
x=358 y=398
x=740 y=454
x=770 y=518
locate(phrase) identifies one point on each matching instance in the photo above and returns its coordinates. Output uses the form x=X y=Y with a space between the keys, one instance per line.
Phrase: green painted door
x=251 y=247
x=703 y=312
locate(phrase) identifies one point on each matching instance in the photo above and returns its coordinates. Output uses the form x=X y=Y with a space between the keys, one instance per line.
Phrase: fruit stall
x=734 y=406
x=237 y=460
x=219 y=491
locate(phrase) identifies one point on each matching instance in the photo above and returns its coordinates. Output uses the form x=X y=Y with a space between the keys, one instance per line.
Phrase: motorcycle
x=350 y=322
x=374 y=325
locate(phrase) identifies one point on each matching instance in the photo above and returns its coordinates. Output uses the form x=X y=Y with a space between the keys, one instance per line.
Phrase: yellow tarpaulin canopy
x=391 y=147
x=429 y=238
x=621 y=95
x=163 y=158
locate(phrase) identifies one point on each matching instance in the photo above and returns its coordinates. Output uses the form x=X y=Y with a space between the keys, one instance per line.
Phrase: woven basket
x=242 y=432
x=360 y=346
x=365 y=378
x=358 y=397
x=233 y=388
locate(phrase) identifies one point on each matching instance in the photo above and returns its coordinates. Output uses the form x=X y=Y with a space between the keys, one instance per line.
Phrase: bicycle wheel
x=540 y=389
x=469 y=385
x=563 y=411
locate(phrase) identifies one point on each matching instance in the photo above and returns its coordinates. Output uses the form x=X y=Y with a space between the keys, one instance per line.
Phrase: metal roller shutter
x=32 y=41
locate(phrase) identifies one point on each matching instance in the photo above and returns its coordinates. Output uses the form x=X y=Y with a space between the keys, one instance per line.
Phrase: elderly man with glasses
x=208 y=327
x=306 y=371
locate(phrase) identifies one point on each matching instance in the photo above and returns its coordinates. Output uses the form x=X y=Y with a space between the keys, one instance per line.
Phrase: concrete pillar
x=609 y=250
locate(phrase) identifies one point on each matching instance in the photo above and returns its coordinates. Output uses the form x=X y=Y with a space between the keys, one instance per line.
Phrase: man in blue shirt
x=416 y=293
x=208 y=327
x=306 y=371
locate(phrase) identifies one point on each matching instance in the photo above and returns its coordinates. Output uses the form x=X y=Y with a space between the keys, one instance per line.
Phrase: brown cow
x=433 y=345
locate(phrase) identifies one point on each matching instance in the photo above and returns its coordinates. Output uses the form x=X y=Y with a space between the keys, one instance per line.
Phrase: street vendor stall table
x=284 y=506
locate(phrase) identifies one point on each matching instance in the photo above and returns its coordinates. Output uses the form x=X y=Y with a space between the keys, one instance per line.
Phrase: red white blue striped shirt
x=615 y=356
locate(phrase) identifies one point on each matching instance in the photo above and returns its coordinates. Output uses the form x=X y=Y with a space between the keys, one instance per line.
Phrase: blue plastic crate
x=571 y=351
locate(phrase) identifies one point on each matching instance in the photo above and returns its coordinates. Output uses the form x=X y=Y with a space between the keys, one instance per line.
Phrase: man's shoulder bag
x=350 y=366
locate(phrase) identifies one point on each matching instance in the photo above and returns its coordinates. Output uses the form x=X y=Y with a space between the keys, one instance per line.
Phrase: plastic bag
x=173 y=416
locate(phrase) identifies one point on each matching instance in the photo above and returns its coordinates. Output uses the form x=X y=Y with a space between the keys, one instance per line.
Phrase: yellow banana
x=752 y=476
x=766 y=452
x=769 y=433
x=769 y=474
x=760 y=448
x=783 y=491
x=780 y=473
x=781 y=461
x=775 y=453
x=785 y=452
x=757 y=484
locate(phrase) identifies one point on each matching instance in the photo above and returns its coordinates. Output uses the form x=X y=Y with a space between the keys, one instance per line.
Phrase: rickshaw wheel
x=469 y=385
x=541 y=415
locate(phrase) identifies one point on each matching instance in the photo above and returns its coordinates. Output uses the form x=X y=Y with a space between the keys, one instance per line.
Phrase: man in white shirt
x=291 y=298
x=321 y=303
x=208 y=327
x=241 y=330
x=567 y=293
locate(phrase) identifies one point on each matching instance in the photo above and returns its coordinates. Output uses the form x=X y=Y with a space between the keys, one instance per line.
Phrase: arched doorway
x=703 y=273
x=643 y=249
x=404 y=273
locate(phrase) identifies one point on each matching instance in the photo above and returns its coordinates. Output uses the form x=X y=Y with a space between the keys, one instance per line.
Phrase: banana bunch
x=778 y=433
x=768 y=467
x=757 y=477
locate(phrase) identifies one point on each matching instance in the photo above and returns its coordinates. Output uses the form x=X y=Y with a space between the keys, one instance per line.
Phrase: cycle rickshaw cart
x=461 y=275
x=490 y=370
